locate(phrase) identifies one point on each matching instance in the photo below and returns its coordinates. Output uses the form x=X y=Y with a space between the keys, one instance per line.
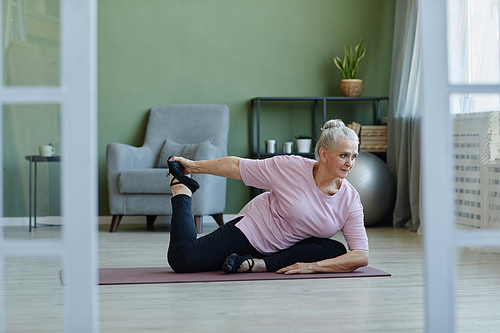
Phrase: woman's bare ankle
x=259 y=266
x=179 y=188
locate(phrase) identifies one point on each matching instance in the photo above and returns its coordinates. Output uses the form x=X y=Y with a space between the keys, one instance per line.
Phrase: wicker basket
x=351 y=87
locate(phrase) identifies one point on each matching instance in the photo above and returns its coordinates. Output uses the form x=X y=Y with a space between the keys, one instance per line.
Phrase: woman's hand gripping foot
x=180 y=183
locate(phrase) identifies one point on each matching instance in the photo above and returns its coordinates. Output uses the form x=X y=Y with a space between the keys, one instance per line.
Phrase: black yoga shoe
x=234 y=261
x=174 y=168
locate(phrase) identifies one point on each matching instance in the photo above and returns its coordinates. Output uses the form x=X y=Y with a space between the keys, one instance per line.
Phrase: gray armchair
x=137 y=181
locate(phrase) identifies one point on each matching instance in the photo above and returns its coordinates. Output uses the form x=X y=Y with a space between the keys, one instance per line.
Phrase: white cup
x=271 y=146
x=46 y=151
x=287 y=147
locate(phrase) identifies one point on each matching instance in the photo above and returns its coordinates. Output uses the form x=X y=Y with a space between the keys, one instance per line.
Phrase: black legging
x=188 y=254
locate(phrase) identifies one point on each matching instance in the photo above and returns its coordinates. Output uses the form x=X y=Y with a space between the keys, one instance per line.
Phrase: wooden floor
x=383 y=304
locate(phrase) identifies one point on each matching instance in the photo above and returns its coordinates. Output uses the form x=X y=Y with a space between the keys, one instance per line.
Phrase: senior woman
x=286 y=230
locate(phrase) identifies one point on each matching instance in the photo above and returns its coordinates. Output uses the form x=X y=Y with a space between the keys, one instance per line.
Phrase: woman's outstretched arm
x=342 y=264
x=228 y=166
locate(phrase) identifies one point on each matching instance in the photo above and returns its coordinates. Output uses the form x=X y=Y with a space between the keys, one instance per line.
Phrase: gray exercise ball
x=376 y=186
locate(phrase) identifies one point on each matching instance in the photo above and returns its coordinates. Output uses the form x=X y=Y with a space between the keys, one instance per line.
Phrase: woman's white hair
x=333 y=131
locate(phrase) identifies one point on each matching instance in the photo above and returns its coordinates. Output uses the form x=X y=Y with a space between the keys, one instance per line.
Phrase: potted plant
x=350 y=86
x=303 y=143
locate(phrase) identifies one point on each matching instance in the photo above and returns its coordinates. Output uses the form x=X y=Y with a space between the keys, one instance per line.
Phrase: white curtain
x=473 y=52
x=474 y=58
x=403 y=144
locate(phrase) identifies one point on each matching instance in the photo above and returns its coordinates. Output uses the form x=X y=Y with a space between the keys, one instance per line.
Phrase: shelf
x=255 y=106
x=375 y=99
x=334 y=98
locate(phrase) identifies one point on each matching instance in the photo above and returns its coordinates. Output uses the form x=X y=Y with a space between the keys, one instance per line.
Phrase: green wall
x=159 y=52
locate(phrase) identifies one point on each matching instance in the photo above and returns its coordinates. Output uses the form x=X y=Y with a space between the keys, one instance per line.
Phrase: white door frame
x=441 y=239
x=77 y=97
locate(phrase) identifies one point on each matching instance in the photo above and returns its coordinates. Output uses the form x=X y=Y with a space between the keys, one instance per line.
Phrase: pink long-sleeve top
x=295 y=208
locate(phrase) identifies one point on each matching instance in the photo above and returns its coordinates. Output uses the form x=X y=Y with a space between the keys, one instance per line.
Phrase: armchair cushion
x=146 y=181
x=194 y=151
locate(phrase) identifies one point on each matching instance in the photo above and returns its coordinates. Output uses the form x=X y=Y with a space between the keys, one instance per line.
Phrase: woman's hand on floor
x=299 y=268
x=348 y=262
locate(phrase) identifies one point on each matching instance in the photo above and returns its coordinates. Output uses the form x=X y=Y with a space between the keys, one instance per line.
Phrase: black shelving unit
x=255 y=106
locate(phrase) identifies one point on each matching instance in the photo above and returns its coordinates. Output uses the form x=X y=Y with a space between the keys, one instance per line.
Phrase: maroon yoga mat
x=148 y=275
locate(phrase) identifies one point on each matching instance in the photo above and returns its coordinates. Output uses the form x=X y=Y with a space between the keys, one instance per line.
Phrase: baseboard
x=103 y=220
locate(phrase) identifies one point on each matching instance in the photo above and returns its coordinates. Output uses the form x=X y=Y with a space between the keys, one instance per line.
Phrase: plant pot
x=351 y=87
x=304 y=145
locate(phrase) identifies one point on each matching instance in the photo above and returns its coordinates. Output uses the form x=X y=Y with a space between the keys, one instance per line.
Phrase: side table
x=35 y=159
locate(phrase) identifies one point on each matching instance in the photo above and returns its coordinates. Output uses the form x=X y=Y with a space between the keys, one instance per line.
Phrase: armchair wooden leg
x=151 y=219
x=115 y=222
x=218 y=218
x=198 y=222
